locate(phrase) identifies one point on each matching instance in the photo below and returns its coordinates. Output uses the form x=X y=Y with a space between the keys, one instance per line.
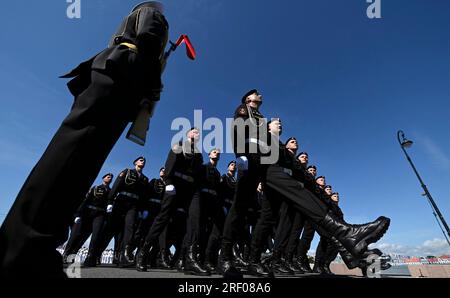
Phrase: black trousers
x=185 y=195
x=90 y=225
x=213 y=218
x=282 y=187
x=76 y=239
x=245 y=191
x=175 y=232
x=326 y=251
x=39 y=218
x=144 y=224
x=267 y=220
x=125 y=216
x=304 y=244
x=289 y=229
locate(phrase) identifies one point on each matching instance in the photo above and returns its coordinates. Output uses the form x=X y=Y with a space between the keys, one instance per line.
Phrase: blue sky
x=343 y=84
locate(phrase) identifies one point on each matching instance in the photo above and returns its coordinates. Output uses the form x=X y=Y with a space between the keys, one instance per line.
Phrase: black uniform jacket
x=97 y=197
x=139 y=68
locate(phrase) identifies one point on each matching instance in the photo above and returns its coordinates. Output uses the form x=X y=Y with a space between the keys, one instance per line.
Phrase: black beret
x=108 y=174
x=290 y=139
x=248 y=94
x=153 y=4
x=302 y=153
x=140 y=157
x=162 y=168
x=328 y=186
x=314 y=167
x=320 y=177
x=233 y=161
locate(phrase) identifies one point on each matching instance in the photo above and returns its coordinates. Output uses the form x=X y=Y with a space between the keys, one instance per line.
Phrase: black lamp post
x=404 y=144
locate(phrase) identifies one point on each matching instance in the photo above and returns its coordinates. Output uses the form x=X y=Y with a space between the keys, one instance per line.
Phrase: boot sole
x=374 y=236
x=196 y=273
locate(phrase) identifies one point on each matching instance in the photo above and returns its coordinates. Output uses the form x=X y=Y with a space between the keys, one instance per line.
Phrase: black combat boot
x=124 y=259
x=255 y=267
x=91 y=259
x=225 y=264
x=292 y=265
x=142 y=257
x=303 y=263
x=179 y=260
x=318 y=266
x=326 y=268
x=179 y=265
x=129 y=253
x=278 y=266
x=349 y=260
x=163 y=261
x=209 y=266
x=192 y=265
x=238 y=260
x=354 y=239
x=116 y=257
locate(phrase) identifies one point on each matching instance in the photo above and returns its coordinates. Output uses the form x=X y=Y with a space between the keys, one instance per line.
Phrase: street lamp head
x=407 y=143
x=403 y=141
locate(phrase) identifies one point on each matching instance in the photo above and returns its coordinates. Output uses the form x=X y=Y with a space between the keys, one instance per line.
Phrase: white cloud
x=434 y=247
x=439 y=156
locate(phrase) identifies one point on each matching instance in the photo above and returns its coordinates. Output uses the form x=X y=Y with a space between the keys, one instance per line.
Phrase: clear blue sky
x=343 y=85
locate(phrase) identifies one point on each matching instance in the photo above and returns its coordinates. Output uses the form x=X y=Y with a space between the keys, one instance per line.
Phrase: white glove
x=77 y=220
x=170 y=189
x=109 y=209
x=144 y=214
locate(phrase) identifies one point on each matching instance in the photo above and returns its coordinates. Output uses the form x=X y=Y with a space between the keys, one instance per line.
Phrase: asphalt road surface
x=110 y=271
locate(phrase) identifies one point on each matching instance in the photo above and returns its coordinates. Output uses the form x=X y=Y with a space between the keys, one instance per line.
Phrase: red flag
x=190 y=51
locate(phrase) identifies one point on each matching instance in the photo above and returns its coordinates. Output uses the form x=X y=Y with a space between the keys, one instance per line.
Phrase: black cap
x=328 y=186
x=311 y=166
x=290 y=139
x=302 y=153
x=140 y=157
x=108 y=174
x=162 y=168
x=233 y=161
x=248 y=94
x=153 y=4
x=320 y=177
